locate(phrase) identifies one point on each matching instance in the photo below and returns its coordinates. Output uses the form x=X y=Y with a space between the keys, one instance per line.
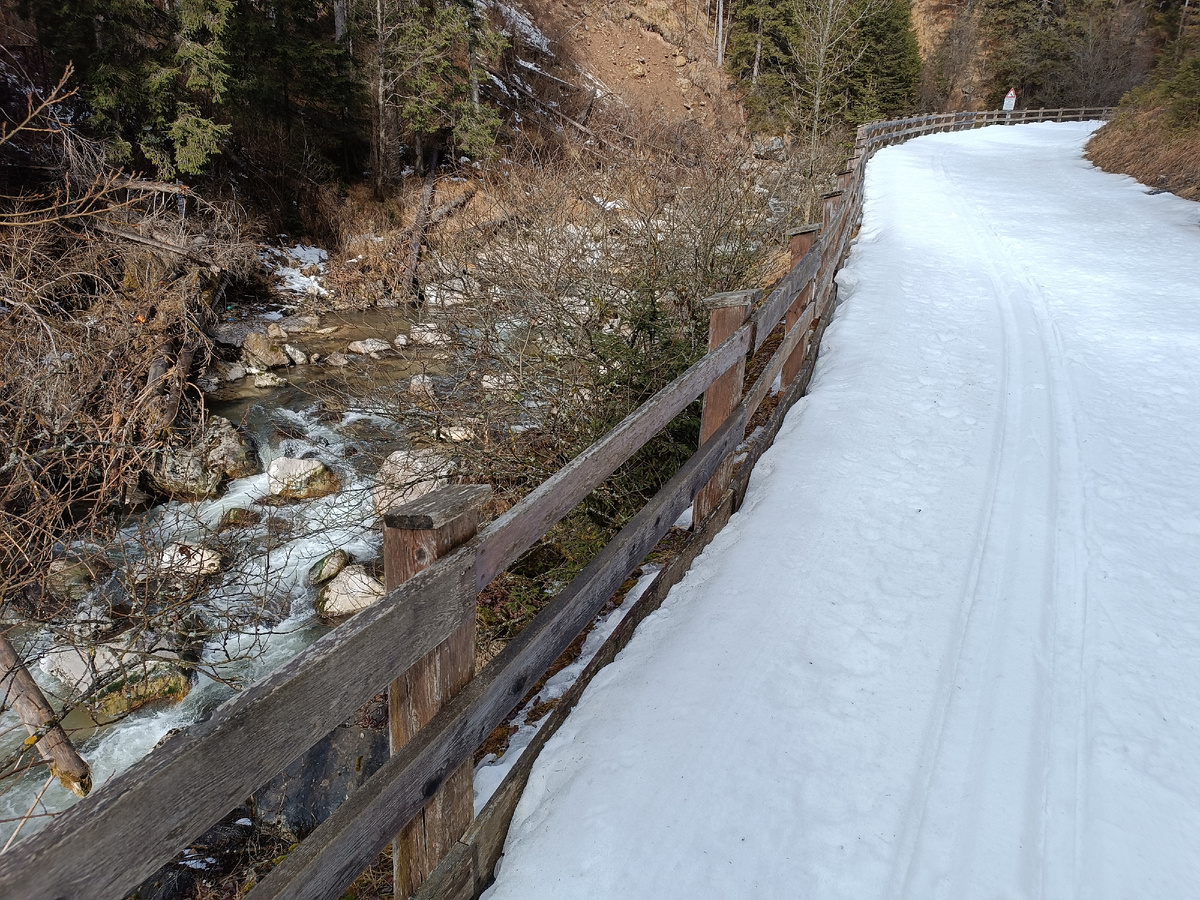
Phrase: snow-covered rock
x=351 y=590
x=300 y=479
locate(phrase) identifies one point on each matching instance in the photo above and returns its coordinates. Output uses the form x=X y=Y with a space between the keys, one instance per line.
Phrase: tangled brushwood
x=106 y=282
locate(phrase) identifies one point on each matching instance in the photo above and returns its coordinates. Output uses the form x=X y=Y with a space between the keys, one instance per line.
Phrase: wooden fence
x=417 y=643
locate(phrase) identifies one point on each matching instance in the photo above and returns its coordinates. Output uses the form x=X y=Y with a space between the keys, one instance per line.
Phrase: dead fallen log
x=129 y=234
x=21 y=692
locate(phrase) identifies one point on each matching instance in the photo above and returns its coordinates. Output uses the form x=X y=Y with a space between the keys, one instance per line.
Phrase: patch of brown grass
x=1139 y=143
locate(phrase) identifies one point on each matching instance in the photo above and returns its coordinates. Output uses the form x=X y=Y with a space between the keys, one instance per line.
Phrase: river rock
x=228 y=451
x=269 y=380
x=263 y=352
x=295 y=354
x=183 y=475
x=406 y=475
x=338 y=360
x=229 y=371
x=179 y=562
x=498 y=383
x=327 y=567
x=428 y=336
x=300 y=479
x=238 y=518
x=369 y=346
x=421 y=386
x=400 y=341
x=769 y=147
x=233 y=334
x=351 y=590
x=121 y=675
x=300 y=324
x=70 y=580
x=276 y=332
x=196 y=473
x=456 y=434
x=322 y=778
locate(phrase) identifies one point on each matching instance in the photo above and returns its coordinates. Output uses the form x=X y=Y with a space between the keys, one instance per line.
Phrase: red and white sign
x=1010 y=99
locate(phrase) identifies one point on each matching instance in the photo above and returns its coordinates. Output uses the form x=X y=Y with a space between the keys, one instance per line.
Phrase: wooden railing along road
x=418 y=641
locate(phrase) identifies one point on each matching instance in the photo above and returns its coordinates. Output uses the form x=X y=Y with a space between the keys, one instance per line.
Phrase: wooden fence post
x=414 y=535
x=727 y=313
x=801 y=241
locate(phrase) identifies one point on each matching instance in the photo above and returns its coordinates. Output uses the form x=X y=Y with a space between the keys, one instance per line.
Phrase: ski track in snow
x=949 y=647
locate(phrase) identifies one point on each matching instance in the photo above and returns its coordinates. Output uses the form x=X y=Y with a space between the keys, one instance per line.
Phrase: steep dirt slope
x=652 y=59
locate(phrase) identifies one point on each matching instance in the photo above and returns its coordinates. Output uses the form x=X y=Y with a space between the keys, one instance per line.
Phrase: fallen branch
x=39 y=719
x=131 y=235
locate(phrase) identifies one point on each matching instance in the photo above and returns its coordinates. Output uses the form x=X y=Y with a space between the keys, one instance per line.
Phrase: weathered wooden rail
x=412 y=642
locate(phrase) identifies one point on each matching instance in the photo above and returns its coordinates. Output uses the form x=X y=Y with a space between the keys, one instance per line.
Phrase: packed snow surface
x=950 y=646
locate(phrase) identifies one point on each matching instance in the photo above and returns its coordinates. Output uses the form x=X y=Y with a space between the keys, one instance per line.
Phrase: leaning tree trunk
x=21 y=692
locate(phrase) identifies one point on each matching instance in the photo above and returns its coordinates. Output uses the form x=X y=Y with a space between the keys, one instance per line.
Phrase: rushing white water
x=262 y=595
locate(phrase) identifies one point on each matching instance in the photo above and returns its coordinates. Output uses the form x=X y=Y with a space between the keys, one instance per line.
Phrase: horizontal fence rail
x=112 y=841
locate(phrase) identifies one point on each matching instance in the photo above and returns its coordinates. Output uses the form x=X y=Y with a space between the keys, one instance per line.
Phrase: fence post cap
x=732 y=298
x=438 y=508
x=804 y=229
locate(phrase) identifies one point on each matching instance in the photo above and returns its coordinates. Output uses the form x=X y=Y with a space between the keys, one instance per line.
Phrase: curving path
x=950 y=647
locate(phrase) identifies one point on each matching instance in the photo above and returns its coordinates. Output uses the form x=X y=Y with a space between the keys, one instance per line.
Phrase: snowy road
x=950 y=647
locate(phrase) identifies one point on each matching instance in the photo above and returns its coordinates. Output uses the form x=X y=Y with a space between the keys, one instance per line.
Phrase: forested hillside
x=1156 y=133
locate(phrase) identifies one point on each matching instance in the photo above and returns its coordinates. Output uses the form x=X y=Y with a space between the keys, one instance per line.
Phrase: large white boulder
x=300 y=479
x=179 y=562
x=351 y=590
x=406 y=475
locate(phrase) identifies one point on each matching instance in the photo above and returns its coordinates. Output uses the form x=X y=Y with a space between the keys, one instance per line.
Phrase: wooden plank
x=794 y=392
x=186 y=785
x=467 y=870
x=777 y=303
x=727 y=313
x=414 y=536
x=515 y=531
x=436 y=510
x=353 y=836
x=790 y=350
